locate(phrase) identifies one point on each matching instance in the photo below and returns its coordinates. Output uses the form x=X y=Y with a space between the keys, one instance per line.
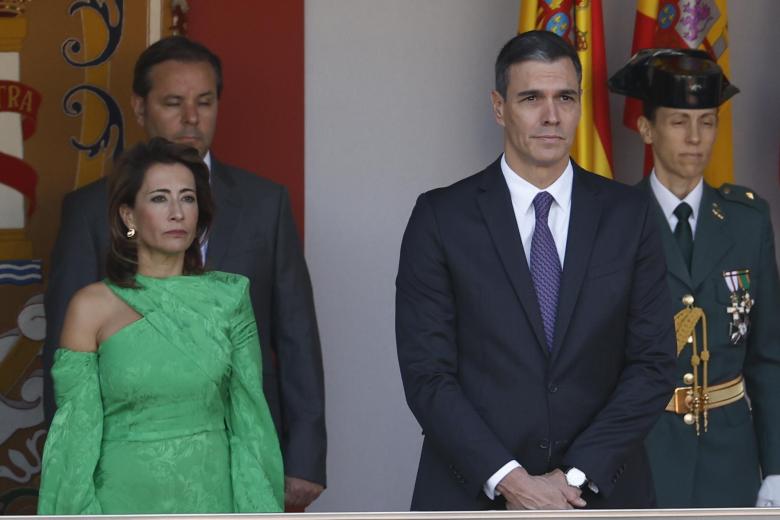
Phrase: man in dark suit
x=533 y=322
x=176 y=89
x=719 y=246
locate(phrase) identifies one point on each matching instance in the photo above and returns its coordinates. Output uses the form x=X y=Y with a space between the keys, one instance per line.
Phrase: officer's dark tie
x=683 y=233
x=545 y=266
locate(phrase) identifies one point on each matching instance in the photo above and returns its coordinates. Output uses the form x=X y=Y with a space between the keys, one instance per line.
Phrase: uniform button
x=552 y=388
x=687 y=299
x=688 y=379
x=544 y=444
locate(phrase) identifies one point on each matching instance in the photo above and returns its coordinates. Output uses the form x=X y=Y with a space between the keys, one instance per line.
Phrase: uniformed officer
x=721 y=434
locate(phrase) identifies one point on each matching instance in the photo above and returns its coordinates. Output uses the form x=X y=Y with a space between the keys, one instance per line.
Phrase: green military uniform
x=717 y=458
x=720 y=467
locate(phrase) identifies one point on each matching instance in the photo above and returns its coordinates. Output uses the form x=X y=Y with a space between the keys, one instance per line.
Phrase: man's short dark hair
x=533 y=46
x=175 y=48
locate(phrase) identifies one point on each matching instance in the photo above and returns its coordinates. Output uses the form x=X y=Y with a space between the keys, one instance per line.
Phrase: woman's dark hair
x=648 y=110
x=125 y=182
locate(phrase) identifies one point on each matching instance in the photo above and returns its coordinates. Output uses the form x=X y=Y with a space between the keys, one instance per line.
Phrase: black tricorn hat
x=675 y=78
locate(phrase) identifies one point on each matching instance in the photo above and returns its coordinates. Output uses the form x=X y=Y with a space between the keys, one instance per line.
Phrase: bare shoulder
x=96 y=298
x=87 y=310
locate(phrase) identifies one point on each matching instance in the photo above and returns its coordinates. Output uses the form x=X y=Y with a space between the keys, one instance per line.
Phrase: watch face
x=575 y=477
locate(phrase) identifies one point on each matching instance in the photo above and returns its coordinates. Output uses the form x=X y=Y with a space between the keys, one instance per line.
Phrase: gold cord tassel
x=685 y=324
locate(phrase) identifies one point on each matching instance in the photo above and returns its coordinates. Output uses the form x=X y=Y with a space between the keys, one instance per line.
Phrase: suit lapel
x=496 y=206
x=675 y=264
x=226 y=214
x=711 y=241
x=583 y=224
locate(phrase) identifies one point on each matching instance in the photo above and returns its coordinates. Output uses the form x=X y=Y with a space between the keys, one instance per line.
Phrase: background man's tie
x=545 y=266
x=683 y=232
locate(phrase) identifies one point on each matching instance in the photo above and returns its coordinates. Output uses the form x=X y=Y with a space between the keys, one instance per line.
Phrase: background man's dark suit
x=472 y=352
x=253 y=235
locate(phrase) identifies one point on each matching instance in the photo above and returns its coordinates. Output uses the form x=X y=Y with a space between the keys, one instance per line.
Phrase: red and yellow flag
x=687 y=24
x=580 y=22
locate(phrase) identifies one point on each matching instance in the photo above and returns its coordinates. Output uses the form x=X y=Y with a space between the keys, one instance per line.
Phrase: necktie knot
x=683 y=212
x=542 y=203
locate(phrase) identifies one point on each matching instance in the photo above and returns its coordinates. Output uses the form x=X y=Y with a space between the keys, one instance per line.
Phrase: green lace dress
x=168 y=416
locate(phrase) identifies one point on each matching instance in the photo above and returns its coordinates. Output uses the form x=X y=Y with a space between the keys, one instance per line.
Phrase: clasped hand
x=300 y=493
x=548 y=491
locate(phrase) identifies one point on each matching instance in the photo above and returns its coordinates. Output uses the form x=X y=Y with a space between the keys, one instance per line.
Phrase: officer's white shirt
x=669 y=201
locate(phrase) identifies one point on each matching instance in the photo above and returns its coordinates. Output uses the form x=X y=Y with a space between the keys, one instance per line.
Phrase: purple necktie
x=545 y=266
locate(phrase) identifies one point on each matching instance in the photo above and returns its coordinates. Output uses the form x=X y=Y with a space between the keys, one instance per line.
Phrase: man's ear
x=498 y=106
x=139 y=108
x=645 y=128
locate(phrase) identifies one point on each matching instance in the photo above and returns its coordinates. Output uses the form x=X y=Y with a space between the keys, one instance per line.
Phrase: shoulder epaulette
x=741 y=194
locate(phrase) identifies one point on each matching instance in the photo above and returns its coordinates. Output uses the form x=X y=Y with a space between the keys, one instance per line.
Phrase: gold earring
x=130 y=233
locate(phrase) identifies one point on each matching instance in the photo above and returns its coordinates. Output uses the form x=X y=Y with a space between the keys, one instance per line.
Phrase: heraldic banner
x=65 y=81
x=687 y=24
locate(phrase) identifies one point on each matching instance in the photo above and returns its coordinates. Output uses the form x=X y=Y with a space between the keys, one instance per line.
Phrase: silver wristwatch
x=575 y=478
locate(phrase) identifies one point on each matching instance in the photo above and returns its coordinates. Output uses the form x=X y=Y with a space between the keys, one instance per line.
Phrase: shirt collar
x=207 y=160
x=669 y=201
x=523 y=192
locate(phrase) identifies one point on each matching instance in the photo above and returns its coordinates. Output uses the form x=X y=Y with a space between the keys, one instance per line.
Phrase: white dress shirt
x=204 y=246
x=669 y=201
x=523 y=193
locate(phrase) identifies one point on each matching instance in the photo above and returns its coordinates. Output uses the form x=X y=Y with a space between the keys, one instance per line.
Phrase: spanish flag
x=583 y=27
x=683 y=24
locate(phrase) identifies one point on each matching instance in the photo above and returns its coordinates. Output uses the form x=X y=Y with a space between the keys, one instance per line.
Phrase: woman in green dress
x=158 y=381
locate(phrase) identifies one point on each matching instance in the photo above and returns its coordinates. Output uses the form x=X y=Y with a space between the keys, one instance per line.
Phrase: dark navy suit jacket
x=475 y=366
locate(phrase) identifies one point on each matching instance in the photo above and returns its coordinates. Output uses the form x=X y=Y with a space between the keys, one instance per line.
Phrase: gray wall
x=397 y=102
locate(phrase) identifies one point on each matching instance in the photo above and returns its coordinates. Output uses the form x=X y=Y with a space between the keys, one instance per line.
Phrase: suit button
x=687 y=300
x=544 y=444
x=552 y=388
